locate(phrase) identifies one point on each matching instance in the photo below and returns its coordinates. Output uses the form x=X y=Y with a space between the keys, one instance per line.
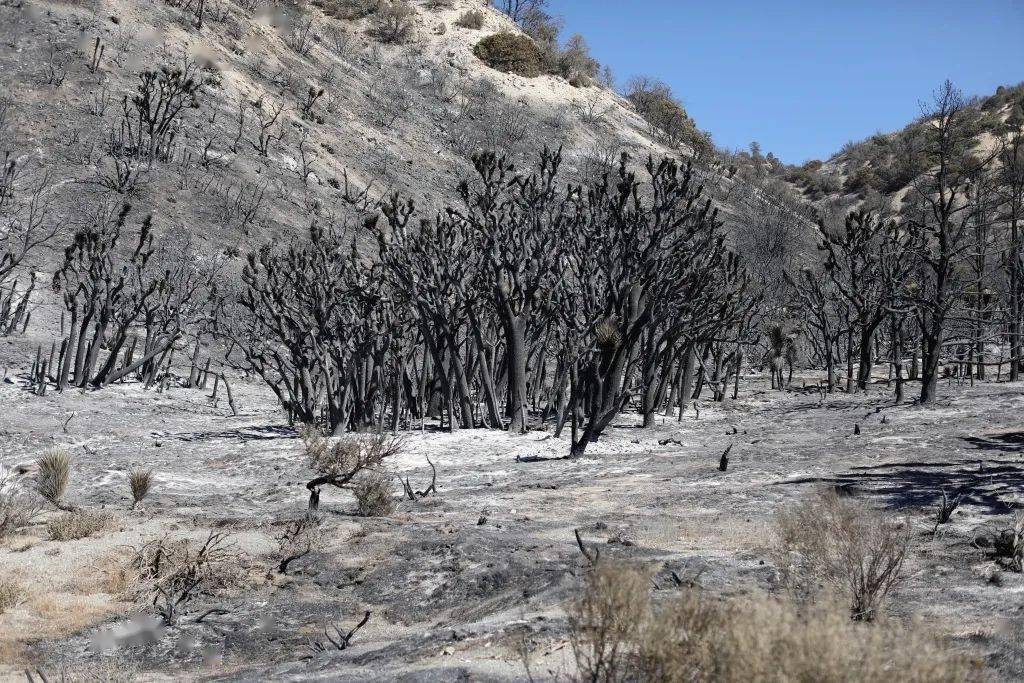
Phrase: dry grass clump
x=105 y=670
x=12 y=594
x=53 y=474
x=845 y=545
x=17 y=507
x=375 y=494
x=171 y=573
x=79 y=523
x=139 y=481
x=617 y=635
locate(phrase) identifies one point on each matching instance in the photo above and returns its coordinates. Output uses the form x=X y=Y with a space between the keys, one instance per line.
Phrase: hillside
x=260 y=151
x=886 y=164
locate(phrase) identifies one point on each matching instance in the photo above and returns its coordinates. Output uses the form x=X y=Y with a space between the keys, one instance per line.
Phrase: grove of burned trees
x=533 y=300
x=934 y=276
x=531 y=297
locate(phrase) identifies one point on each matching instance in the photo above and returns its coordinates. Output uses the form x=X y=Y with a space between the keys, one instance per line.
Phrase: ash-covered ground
x=468 y=583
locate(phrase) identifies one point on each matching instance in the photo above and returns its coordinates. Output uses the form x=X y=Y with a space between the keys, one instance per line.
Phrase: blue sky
x=803 y=78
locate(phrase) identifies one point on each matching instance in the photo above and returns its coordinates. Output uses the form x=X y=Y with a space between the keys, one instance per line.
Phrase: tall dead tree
x=434 y=268
x=110 y=288
x=860 y=263
x=939 y=217
x=520 y=224
x=26 y=228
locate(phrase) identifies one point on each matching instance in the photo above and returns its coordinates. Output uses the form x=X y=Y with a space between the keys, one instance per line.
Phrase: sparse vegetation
x=359 y=223
x=837 y=541
x=78 y=524
x=618 y=635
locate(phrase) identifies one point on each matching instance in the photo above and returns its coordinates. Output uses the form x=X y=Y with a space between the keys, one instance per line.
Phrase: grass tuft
x=139 y=481
x=53 y=474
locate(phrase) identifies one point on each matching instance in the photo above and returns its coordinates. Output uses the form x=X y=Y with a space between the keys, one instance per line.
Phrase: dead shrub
x=604 y=620
x=392 y=22
x=139 y=481
x=299 y=539
x=174 y=572
x=844 y=544
x=17 y=507
x=116 y=669
x=350 y=10
x=53 y=474
x=471 y=19
x=1007 y=544
x=389 y=100
x=618 y=635
x=80 y=523
x=375 y=494
x=12 y=594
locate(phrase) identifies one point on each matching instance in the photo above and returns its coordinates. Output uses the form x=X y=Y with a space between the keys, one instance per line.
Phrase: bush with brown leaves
x=617 y=634
x=848 y=546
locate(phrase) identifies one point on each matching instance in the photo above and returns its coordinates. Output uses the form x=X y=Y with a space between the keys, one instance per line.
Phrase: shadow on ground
x=992 y=485
x=241 y=434
x=1008 y=442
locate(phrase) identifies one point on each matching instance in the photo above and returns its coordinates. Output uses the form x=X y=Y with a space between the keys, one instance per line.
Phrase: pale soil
x=453 y=597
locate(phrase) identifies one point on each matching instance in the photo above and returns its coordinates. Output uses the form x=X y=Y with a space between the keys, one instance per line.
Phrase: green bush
x=511 y=53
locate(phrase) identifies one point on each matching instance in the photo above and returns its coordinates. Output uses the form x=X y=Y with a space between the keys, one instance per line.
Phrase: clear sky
x=803 y=78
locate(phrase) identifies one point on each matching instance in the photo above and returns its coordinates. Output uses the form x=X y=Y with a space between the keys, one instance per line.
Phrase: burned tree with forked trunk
x=520 y=222
x=650 y=268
